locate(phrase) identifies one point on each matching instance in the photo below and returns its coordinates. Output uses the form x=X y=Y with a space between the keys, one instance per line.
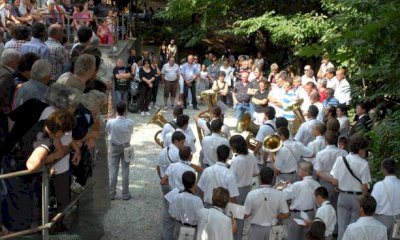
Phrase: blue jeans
x=241 y=108
x=119 y=96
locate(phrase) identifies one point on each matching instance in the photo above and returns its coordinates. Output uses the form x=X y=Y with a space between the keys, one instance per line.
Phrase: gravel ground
x=140 y=217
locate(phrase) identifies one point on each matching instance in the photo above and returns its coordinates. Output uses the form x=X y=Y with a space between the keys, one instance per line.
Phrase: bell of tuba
x=245 y=124
x=158 y=119
x=272 y=143
x=210 y=98
x=295 y=107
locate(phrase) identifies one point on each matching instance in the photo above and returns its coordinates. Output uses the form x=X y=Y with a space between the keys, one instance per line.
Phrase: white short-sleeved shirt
x=326 y=158
x=305 y=79
x=202 y=123
x=332 y=83
x=315 y=146
x=210 y=144
x=302 y=193
x=387 y=195
x=342 y=92
x=301 y=93
x=266 y=130
x=289 y=155
x=214 y=224
x=61 y=165
x=167 y=156
x=321 y=113
x=346 y=181
x=169 y=72
x=244 y=167
x=327 y=214
x=185 y=208
x=168 y=128
x=189 y=141
x=216 y=176
x=344 y=126
x=365 y=228
x=277 y=93
x=175 y=172
x=264 y=204
x=304 y=134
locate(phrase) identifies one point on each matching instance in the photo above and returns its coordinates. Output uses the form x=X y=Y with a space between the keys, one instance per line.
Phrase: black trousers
x=185 y=94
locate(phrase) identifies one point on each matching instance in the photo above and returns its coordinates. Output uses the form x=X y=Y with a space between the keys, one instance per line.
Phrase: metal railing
x=46 y=224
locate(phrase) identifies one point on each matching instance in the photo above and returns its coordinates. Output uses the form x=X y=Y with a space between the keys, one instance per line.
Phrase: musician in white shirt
x=218 y=175
x=268 y=128
x=182 y=122
x=171 y=126
x=318 y=144
x=244 y=167
x=185 y=207
x=206 y=126
x=304 y=134
x=324 y=161
x=366 y=227
x=387 y=195
x=265 y=206
x=351 y=186
x=325 y=211
x=287 y=158
x=302 y=195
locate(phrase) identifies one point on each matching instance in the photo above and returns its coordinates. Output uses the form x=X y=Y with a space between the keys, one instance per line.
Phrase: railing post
x=45 y=203
x=68 y=30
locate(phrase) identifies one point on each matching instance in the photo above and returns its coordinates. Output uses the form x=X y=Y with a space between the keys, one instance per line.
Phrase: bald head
x=56 y=32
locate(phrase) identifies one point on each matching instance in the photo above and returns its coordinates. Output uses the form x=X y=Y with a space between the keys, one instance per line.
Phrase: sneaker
x=165 y=107
x=155 y=107
x=196 y=108
x=142 y=114
x=190 y=104
x=147 y=114
x=149 y=107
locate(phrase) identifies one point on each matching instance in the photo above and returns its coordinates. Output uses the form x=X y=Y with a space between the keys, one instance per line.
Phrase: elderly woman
x=213 y=223
x=33 y=150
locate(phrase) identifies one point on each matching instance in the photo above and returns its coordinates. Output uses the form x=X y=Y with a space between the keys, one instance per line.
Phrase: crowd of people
x=50 y=107
x=320 y=167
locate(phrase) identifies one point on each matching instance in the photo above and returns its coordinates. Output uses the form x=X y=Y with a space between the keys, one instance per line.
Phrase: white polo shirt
x=264 y=204
x=214 y=224
x=167 y=156
x=387 y=195
x=244 y=167
x=365 y=228
x=202 y=123
x=266 y=130
x=168 y=128
x=289 y=155
x=210 y=144
x=332 y=83
x=344 y=126
x=175 y=172
x=326 y=158
x=327 y=214
x=216 y=176
x=169 y=72
x=185 y=208
x=277 y=93
x=190 y=138
x=304 y=134
x=360 y=168
x=302 y=193
x=315 y=146
x=342 y=92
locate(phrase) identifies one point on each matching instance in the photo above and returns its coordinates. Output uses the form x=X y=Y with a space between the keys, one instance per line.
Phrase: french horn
x=158 y=119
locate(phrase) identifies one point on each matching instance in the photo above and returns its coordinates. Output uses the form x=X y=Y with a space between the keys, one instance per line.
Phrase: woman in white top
x=213 y=223
x=341 y=112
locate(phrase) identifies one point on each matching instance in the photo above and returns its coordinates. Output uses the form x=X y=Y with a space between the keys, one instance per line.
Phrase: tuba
x=210 y=98
x=245 y=124
x=295 y=107
x=158 y=119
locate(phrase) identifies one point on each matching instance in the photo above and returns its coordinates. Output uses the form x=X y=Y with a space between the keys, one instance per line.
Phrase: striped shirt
x=288 y=100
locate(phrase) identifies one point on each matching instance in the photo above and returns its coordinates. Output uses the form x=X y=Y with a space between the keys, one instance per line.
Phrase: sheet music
x=237 y=211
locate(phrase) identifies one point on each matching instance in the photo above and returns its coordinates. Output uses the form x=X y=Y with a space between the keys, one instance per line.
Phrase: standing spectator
x=259 y=60
x=9 y=62
x=330 y=100
x=84 y=36
x=121 y=80
x=341 y=112
x=274 y=71
x=240 y=97
x=58 y=56
x=132 y=57
x=189 y=74
x=53 y=14
x=260 y=101
x=387 y=193
x=147 y=78
x=308 y=76
x=213 y=223
x=20 y=35
x=212 y=72
x=362 y=118
x=288 y=100
x=101 y=10
x=36 y=87
x=325 y=65
x=163 y=53
x=120 y=131
x=351 y=174
x=221 y=87
x=366 y=227
x=342 y=91
x=79 y=17
x=172 y=50
x=154 y=89
x=36 y=44
x=331 y=78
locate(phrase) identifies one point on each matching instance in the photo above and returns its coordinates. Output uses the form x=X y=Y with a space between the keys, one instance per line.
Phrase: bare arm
x=164 y=180
x=36 y=159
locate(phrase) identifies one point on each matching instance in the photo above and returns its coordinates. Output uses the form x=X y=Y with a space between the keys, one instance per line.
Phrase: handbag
x=186 y=233
x=129 y=154
x=396 y=226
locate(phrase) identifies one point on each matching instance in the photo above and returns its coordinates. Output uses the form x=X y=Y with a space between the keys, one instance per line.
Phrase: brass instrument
x=245 y=124
x=295 y=107
x=158 y=119
x=272 y=143
x=210 y=98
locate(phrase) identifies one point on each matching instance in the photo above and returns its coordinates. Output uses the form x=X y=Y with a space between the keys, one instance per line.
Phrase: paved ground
x=140 y=217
